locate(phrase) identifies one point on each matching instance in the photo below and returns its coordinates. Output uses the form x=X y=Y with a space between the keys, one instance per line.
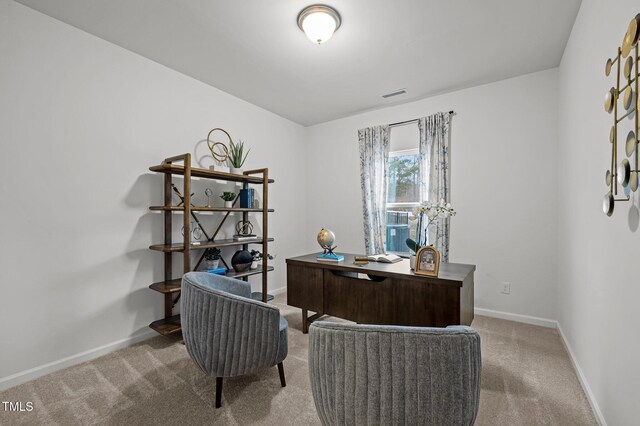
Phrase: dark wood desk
x=380 y=293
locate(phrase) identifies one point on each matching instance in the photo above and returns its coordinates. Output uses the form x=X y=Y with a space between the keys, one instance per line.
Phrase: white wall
x=598 y=264
x=81 y=120
x=503 y=173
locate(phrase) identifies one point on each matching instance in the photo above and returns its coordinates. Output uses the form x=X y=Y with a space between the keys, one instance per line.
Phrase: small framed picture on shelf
x=427 y=261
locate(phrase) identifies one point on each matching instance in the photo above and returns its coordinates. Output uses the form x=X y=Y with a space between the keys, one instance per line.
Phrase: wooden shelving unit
x=171 y=286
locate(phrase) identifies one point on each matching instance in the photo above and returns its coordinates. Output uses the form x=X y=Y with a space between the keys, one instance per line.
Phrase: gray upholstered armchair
x=383 y=375
x=226 y=332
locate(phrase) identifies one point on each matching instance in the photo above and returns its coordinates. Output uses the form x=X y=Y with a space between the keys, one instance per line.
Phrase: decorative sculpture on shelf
x=623 y=174
x=244 y=228
x=209 y=193
x=195 y=233
x=219 y=150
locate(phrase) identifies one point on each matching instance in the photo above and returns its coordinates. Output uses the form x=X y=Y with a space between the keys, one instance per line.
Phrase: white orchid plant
x=428 y=212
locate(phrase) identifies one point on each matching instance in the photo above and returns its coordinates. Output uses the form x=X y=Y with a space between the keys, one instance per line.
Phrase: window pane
x=403 y=179
x=398 y=229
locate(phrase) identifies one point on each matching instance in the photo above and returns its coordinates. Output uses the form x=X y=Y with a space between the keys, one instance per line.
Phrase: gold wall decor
x=625 y=173
x=219 y=150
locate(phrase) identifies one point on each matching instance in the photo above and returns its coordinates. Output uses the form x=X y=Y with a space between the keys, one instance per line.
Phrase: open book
x=385 y=258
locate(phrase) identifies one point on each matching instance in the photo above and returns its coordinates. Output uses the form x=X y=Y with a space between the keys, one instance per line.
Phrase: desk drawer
x=304 y=288
x=424 y=304
x=358 y=299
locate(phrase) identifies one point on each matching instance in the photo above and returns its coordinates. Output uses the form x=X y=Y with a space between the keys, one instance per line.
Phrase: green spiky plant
x=212 y=253
x=228 y=196
x=237 y=155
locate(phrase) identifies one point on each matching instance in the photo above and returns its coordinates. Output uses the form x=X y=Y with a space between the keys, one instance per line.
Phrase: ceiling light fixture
x=319 y=22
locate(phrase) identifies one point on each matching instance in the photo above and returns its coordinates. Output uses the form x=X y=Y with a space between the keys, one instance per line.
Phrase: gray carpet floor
x=527 y=379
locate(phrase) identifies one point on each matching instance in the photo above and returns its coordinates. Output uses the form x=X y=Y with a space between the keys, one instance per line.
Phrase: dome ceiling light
x=319 y=22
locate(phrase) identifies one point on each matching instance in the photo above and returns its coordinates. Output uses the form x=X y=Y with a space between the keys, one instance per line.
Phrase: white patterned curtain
x=434 y=173
x=374 y=168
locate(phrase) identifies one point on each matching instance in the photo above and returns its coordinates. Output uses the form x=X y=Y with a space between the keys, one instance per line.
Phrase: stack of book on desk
x=361 y=260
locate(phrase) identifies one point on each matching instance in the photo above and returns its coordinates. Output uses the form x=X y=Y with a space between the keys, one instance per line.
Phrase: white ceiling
x=254 y=50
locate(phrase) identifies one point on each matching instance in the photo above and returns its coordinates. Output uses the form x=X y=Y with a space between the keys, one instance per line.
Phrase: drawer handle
x=357 y=276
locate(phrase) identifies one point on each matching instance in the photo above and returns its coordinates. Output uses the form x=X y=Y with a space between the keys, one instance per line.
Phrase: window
x=403 y=190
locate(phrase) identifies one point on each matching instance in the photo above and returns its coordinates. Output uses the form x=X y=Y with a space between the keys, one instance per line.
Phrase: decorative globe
x=326 y=238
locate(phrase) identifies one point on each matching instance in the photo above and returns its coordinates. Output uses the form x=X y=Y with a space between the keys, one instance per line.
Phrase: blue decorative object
x=330 y=257
x=218 y=271
x=241 y=260
x=246 y=198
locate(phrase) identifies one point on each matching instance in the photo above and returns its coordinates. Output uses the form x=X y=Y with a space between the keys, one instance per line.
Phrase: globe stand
x=329 y=254
x=328 y=250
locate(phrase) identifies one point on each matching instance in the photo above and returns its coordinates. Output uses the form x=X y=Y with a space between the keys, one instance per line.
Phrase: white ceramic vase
x=228 y=204
x=213 y=264
x=236 y=170
x=412 y=261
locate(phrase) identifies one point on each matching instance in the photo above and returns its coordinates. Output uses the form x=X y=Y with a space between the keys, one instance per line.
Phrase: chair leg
x=283 y=382
x=218 y=392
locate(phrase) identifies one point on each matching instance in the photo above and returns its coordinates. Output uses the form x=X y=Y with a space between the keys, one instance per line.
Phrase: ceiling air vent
x=395 y=93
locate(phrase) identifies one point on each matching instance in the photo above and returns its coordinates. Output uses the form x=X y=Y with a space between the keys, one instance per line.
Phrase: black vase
x=241 y=260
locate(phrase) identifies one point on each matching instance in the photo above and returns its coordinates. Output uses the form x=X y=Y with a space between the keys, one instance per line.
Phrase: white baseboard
x=278 y=291
x=583 y=380
x=544 y=322
x=42 y=370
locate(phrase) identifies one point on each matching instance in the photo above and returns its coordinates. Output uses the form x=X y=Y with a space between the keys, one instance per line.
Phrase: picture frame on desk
x=427 y=261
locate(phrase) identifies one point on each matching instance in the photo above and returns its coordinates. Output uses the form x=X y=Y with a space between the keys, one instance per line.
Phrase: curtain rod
x=415 y=120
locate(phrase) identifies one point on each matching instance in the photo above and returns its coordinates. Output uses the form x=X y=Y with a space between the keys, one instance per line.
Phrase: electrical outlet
x=506 y=288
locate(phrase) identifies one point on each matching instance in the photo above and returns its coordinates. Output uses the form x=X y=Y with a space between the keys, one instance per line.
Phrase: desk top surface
x=456 y=272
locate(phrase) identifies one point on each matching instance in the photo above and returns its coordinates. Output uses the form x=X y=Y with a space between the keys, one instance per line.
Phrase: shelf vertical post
x=187 y=214
x=168 y=266
x=245 y=217
x=265 y=231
